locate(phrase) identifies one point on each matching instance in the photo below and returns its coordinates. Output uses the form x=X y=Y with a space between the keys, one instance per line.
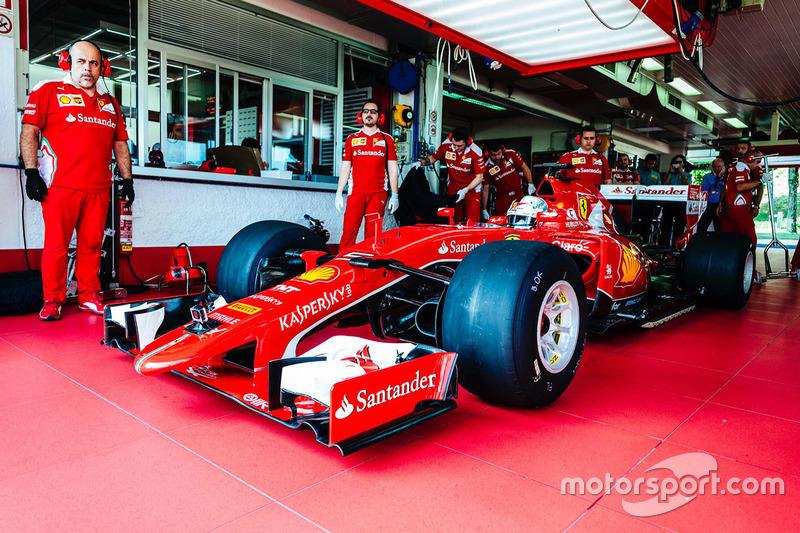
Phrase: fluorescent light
x=713 y=107
x=681 y=85
x=651 y=64
x=455 y=96
x=736 y=123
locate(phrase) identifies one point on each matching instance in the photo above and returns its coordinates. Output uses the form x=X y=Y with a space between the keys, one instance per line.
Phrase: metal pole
x=775 y=241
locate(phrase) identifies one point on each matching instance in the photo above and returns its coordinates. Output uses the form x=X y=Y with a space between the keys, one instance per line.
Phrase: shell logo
x=630 y=264
x=65 y=99
x=325 y=273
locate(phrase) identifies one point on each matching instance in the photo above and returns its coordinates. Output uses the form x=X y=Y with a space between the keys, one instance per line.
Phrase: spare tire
x=515 y=312
x=237 y=275
x=720 y=266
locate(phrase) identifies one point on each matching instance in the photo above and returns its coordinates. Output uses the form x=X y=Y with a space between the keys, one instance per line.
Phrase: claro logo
x=366 y=399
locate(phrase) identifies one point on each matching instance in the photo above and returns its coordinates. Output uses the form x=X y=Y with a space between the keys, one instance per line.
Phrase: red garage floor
x=89 y=445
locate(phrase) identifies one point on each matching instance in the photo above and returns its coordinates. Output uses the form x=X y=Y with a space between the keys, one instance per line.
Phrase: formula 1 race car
x=367 y=342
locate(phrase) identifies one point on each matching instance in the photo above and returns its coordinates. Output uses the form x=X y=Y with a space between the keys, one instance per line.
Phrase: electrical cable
x=22 y=217
x=130 y=265
x=613 y=28
x=708 y=81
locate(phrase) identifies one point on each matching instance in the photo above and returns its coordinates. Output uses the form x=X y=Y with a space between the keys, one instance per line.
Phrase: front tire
x=238 y=276
x=515 y=312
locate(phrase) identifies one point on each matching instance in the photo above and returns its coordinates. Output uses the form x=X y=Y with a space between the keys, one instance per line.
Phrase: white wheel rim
x=749 y=266
x=558 y=326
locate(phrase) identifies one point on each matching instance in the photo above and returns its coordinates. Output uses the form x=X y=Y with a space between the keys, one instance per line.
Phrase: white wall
x=167 y=213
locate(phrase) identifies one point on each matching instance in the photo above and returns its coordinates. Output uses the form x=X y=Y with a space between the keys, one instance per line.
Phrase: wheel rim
x=749 y=266
x=558 y=326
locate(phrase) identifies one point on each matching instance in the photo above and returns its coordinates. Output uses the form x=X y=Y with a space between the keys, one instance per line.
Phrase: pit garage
x=594 y=358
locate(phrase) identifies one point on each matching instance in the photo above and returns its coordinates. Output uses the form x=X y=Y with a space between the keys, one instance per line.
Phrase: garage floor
x=89 y=445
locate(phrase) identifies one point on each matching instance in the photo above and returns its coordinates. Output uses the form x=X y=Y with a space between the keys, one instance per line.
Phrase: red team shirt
x=625 y=176
x=74 y=126
x=461 y=169
x=591 y=168
x=368 y=155
x=738 y=172
x=504 y=174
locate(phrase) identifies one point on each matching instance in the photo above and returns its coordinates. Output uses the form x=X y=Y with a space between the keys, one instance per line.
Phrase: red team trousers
x=469 y=208
x=368 y=207
x=737 y=219
x=64 y=210
x=503 y=201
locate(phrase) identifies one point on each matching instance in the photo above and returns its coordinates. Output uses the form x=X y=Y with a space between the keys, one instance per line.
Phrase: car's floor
x=89 y=445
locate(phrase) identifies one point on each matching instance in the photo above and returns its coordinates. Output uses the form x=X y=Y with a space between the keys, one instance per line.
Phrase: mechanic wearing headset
x=591 y=167
x=503 y=170
x=735 y=209
x=80 y=125
x=371 y=155
x=623 y=174
x=465 y=170
x=741 y=150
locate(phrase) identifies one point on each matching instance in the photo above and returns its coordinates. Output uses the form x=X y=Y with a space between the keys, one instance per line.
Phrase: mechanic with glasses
x=370 y=157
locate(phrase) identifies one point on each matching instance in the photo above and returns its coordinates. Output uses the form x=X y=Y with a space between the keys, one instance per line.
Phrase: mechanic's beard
x=86 y=81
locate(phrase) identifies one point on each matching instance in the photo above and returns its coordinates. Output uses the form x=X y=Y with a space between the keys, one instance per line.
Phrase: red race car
x=365 y=343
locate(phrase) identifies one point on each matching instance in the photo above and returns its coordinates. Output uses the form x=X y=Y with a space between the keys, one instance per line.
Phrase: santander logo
x=443 y=248
x=345 y=410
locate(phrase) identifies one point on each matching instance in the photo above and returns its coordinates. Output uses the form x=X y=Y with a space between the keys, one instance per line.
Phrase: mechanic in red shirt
x=80 y=126
x=623 y=174
x=736 y=214
x=465 y=170
x=503 y=171
x=371 y=155
x=590 y=167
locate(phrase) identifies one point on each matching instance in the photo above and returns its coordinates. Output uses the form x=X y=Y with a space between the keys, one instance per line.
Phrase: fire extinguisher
x=125 y=229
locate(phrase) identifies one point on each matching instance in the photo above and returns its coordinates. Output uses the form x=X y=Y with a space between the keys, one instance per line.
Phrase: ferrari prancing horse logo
x=583 y=207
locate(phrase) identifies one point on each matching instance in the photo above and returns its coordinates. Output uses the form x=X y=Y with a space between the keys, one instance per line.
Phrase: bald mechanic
x=465 y=170
x=80 y=126
x=591 y=167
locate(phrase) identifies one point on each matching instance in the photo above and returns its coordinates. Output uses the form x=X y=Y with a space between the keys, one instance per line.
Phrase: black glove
x=35 y=187
x=127 y=192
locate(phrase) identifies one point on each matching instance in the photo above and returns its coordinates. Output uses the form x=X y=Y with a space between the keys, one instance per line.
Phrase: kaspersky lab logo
x=367 y=400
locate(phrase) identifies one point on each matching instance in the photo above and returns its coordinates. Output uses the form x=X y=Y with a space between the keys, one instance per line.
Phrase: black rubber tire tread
x=490 y=315
x=20 y=292
x=238 y=265
x=715 y=261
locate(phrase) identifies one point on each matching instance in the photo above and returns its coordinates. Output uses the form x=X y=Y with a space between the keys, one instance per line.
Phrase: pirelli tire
x=515 y=312
x=237 y=274
x=720 y=266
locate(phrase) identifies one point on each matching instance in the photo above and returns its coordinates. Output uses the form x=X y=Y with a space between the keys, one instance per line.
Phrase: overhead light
x=455 y=96
x=736 y=123
x=681 y=85
x=651 y=64
x=713 y=107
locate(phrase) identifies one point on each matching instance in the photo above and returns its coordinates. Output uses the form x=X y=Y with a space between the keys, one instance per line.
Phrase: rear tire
x=722 y=264
x=238 y=267
x=515 y=312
